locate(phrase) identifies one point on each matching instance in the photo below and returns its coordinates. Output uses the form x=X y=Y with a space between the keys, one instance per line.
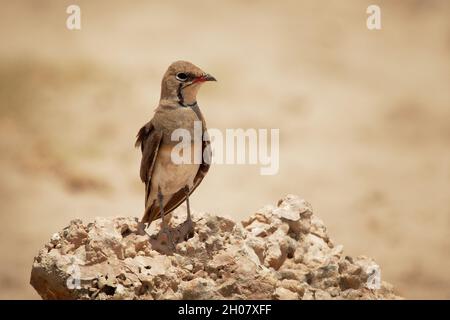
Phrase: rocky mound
x=280 y=252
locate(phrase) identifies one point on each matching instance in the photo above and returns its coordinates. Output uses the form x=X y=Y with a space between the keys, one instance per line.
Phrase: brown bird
x=167 y=184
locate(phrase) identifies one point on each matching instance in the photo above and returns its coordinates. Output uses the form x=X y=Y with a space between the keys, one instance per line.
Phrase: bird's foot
x=189 y=229
x=167 y=238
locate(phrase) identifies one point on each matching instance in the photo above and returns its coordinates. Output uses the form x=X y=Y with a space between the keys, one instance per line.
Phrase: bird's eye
x=181 y=76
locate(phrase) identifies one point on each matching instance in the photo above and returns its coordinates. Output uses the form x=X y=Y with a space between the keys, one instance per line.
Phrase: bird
x=169 y=184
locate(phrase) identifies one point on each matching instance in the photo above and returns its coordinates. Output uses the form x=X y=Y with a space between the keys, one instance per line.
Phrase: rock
x=279 y=252
x=198 y=288
x=284 y=294
x=315 y=252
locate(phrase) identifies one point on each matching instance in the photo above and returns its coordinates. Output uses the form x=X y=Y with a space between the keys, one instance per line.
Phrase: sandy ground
x=364 y=120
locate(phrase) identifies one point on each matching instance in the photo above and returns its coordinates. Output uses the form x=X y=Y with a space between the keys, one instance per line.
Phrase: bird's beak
x=205 y=77
x=208 y=77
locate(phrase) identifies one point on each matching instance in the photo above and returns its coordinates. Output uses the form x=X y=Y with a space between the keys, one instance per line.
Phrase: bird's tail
x=151 y=213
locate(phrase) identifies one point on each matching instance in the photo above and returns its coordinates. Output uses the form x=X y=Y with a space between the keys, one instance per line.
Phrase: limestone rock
x=279 y=252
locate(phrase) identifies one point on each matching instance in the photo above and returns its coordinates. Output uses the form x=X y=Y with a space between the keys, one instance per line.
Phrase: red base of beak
x=205 y=77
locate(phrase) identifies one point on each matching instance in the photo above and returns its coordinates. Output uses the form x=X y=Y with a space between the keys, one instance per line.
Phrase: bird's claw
x=189 y=230
x=167 y=238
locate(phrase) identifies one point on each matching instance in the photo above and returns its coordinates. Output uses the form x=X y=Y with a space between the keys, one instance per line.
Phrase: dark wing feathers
x=149 y=140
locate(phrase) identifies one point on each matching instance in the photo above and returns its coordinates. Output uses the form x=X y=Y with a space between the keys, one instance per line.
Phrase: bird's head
x=182 y=81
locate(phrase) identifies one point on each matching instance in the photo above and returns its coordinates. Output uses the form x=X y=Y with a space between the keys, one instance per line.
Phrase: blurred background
x=364 y=119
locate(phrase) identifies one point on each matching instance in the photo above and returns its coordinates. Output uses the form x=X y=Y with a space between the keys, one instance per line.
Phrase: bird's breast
x=170 y=176
x=179 y=121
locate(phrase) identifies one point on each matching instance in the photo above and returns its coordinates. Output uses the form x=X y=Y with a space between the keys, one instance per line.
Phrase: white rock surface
x=280 y=252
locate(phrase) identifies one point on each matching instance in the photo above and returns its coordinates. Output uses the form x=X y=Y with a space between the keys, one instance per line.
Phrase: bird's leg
x=189 y=222
x=164 y=228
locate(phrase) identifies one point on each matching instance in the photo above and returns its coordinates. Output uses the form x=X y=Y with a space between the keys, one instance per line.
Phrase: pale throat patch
x=190 y=93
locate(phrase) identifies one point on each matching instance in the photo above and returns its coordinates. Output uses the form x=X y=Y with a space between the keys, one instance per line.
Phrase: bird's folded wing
x=149 y=140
